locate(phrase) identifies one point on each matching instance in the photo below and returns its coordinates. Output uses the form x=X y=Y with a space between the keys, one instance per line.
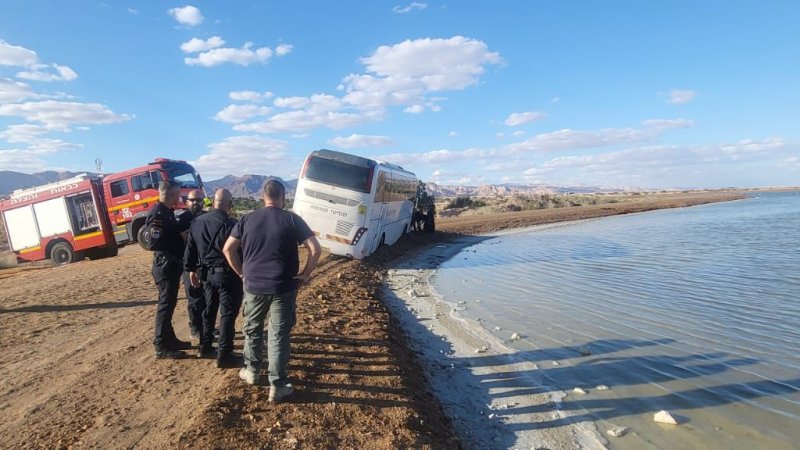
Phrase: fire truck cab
x=63 y=221
x=130 y=194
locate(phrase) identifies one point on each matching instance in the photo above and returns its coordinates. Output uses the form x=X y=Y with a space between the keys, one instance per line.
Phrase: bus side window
x=155 y=178
x=381 y=192
x=119 y=188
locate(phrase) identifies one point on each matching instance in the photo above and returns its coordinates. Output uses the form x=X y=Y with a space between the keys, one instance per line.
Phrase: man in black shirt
x=167 y=241
x=207 y=267
x=195 y=297
x=268 y=239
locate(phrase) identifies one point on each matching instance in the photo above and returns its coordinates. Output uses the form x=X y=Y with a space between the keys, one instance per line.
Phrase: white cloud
x=297 y=102
x=14 y=91
x=23 y=133
x=14 y=55
x=555 y=100
x=240 y=113
x=195 y=45
x=250 y=96
x=361 y=141
x=516 y=119
x=133 y=11
x=187 y=15
x=242 y=56
x=52 y=72
x=415 y=109
x=283 y=49
x=452 y=134
x=410 y=7
x=238 y=155
x=57 y=115
x=681 y=96
x=518 y=133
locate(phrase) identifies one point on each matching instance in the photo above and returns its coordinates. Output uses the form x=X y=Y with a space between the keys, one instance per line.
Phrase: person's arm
x=230 y=251
x=191 y=261
x=314 y=251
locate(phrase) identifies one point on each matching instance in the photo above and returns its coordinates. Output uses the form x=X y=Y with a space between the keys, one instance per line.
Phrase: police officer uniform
x=195 y=298
x=167 y=245
x=222 y=287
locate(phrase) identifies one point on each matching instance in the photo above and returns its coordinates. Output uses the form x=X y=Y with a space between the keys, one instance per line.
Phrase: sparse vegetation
x=243 y=205
x=523 y=202
x=464 y=202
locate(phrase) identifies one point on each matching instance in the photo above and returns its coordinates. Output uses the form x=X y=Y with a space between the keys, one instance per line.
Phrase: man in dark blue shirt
x=195 y=297
x=208 y=269
x=167 y=242
x=268 y=239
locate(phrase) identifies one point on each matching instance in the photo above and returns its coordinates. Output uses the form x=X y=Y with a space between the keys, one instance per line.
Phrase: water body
x=693 y=310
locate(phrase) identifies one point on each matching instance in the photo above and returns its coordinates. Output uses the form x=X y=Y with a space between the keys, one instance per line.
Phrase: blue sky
x=609 y=93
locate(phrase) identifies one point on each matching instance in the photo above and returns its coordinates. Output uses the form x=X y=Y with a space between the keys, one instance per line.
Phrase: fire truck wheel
x=62 y=253
x=143 y=237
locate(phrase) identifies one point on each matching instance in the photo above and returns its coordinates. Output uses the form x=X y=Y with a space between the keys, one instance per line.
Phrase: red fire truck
x=89 y=216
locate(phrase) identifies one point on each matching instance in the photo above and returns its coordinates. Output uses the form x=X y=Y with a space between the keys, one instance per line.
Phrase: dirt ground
x=77 y=367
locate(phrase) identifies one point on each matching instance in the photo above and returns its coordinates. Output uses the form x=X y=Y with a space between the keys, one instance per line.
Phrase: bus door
x=377 y=218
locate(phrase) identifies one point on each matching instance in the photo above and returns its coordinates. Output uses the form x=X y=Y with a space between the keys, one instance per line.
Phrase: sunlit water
x=693 y=310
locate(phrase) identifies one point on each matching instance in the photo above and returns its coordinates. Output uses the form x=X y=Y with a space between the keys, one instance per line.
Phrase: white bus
x=354 y=204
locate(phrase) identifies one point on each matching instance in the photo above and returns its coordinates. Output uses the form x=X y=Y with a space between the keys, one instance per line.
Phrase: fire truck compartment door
x=22 y=231
x=52 y=217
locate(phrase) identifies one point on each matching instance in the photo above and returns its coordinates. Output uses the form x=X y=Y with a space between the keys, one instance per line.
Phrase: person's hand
x=194 y=279
x=302 y=280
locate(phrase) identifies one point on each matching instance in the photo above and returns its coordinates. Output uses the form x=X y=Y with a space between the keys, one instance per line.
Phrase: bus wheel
x=62 y=253
x=143 y=237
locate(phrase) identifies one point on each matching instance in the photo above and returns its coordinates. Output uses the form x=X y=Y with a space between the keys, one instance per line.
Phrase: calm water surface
x=693 y=310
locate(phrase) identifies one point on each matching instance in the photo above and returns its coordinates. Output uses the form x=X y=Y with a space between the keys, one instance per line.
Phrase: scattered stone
x=618 y=431
x=497 y=328
x=555 y=363
x=515 y=337
x=483 y=349
x=578 y=390
x=584 y=350
x=665 y=417
x=492 y=416
x=602 y=387
x=412 y=293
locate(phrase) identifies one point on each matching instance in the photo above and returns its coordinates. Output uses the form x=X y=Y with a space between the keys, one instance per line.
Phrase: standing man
x=268 y=239
x=195 y=298
x=167 y=241
x=208 y=269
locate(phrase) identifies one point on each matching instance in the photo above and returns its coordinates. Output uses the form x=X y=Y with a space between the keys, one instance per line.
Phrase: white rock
x=497 y=328
x=602 y=387
x=618 y=431
x=664 y=417
x=492 y=416
x=412 y=293
x=555 y=363
x=516 y=337
x=481 y=350
x=578 y=390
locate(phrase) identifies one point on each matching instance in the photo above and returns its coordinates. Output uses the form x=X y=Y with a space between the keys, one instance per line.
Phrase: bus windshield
x=338 y=173
x=183 y=175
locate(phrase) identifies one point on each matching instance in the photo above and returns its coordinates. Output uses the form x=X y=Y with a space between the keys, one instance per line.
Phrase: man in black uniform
x=167 y=242
x=206 y=264
x=195 y=298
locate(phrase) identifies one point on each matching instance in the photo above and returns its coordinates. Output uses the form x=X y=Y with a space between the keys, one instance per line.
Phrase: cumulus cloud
x=405 y=74
x=283 y=49
x=681 y=96
x=250 y=96
x=410 y=7
x=51 y=72
x=195 y=45
x=452 y=134
x=61 y=116
x=520 y=118
x=238 y=155
x=14 y=55
x=241 y=56
x=187 y=15
x=14 y=91
x=361 y=141
x=240 y=113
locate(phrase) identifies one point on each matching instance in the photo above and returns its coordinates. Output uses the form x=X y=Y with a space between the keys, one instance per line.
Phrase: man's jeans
x=281 y=309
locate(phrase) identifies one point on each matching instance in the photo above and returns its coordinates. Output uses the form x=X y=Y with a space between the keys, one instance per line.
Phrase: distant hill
x=247 y=185
x=11 y=181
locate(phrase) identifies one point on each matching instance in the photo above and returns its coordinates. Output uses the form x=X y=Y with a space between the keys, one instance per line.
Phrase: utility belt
x=206 y=271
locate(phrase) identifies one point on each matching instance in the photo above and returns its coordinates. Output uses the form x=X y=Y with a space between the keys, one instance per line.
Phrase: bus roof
x=355 y=160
